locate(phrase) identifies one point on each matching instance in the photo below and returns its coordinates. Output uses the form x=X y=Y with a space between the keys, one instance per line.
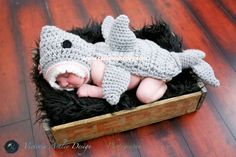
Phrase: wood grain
x=125 y=120
x=209 y=26
x=162 y=139
x=65 y=14
x=102 y=9
x=194 y=37
x=230 y=6
x=26 y=12
x=13 y=99
x=21 y=133
x=218 y=25
x=133 y=12
x=211 y=139
x=120 y=144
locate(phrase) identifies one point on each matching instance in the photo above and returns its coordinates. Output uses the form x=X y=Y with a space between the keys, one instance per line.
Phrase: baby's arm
x=95 y=91
x=97 y=72
x=149 y=89
x=87 y=90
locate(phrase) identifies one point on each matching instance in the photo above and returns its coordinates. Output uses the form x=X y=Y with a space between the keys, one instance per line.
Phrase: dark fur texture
x=63 y=106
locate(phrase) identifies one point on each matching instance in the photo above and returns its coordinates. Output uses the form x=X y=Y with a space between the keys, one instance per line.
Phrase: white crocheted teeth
x=118 y=34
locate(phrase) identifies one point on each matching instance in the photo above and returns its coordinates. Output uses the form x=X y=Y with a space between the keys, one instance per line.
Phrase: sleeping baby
x=107 y=69
x=148 y=90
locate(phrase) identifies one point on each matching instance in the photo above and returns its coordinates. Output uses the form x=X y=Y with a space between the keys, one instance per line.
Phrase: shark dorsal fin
x=117 y=34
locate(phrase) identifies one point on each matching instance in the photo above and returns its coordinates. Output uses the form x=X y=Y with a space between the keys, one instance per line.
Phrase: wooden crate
x=124 y=120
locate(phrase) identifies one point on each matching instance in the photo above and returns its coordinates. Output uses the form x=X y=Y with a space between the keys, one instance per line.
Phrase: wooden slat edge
x=204 y=92
x=48 y=131
x=123 y=112
x=93 y=127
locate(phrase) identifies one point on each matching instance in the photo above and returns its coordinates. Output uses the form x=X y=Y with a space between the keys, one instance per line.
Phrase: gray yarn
x=52 y=52
x=115 y=82
x=142 y=57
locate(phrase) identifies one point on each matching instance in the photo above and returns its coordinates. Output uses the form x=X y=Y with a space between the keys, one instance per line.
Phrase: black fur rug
x=63 y=106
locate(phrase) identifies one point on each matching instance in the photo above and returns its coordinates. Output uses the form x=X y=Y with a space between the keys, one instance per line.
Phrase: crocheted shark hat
x=62 y=52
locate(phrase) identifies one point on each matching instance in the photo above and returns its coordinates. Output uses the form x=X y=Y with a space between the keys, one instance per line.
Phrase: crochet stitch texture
x=135 y=56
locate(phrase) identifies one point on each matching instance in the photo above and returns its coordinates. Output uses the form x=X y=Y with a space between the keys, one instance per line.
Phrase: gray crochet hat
x=59 y=53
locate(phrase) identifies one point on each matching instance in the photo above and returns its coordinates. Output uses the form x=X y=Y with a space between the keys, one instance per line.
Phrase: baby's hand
x=83 y=90
x=87 y=90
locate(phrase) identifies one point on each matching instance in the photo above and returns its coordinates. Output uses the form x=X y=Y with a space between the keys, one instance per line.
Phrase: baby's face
x=69 y=80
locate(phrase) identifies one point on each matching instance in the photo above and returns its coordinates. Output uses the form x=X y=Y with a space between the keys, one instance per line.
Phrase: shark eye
x=66 y=44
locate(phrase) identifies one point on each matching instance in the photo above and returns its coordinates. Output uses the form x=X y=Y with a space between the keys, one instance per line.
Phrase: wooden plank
x=195 y=37
x=120 y=144
x=13 y=99
x=209 y=139
x=20 y=133
x=28 y=32
x=138 y=16
x=188 y=132
x=222 y=29
x=113 y=145
x=161 y=139
x=65 y=13
x=127 y=119
x=102 y=9
x=230 y=6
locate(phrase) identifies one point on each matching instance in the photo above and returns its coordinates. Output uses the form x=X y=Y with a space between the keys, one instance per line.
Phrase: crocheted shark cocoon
x=145 y=58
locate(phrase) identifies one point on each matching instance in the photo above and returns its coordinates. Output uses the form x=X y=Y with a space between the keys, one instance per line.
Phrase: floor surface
x=209 y=25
